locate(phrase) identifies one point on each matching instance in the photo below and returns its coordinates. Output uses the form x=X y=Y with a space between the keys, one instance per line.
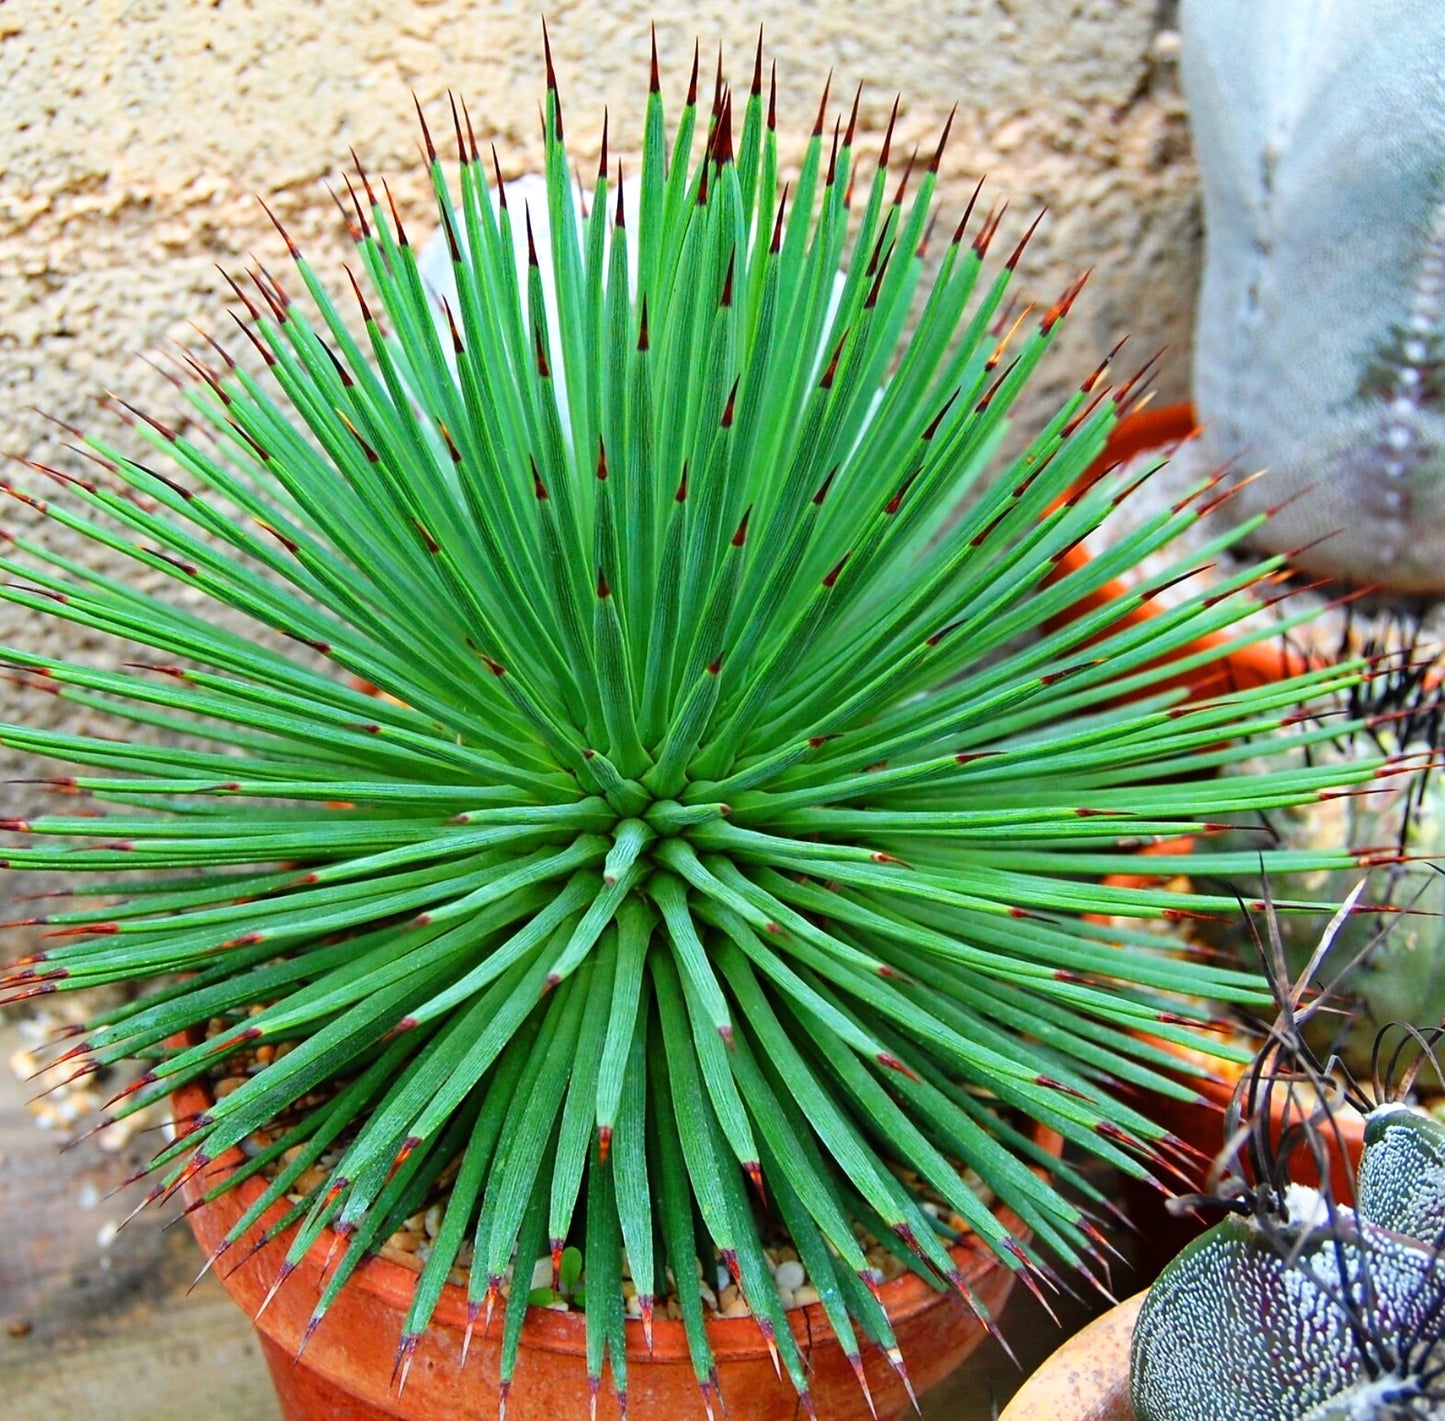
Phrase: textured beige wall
x=134 y=135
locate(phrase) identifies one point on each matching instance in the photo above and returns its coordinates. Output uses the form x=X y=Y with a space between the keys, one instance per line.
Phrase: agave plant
x=728 y=834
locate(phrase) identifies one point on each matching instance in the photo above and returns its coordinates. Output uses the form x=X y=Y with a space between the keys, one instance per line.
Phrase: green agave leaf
x=725 y=840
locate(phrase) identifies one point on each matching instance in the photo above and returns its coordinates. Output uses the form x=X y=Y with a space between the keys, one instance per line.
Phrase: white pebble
x=114 y=1138
x=542 y=1273
x=790 y=1275
x=105 y=1235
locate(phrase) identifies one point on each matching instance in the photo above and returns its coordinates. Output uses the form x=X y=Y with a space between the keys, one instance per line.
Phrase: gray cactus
x=1303 y=1310
x=1319 y=127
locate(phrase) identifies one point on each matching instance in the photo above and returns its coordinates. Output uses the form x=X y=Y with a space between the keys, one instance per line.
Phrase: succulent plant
x=1320 y=134
x=1297 y=1308
x=728 y=831
x=1386 y=963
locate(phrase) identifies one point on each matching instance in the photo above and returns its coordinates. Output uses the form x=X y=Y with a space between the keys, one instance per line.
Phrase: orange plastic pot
x=1258 y=664
x=345 y=1373
x=1087 y=1379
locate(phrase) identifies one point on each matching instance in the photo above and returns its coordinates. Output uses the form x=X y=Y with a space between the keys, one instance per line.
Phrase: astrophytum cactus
x=1304 y=1310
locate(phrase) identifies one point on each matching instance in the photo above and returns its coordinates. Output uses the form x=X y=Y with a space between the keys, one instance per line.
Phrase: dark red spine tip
x=823 y=107
x=431 y=152
x=395 y=215
x=887 y=149
x=942 y=142
x=776 y=245
x=457 y=129
x=500 y=185
x=552 y=81
x=1018 y=251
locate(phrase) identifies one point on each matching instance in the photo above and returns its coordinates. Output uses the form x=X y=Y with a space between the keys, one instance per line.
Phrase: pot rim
x=731 y=1338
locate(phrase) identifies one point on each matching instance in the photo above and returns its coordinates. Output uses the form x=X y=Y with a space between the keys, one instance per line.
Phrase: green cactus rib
x=731 y=827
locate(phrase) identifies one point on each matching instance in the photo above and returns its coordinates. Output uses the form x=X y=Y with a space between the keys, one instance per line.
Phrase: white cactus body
x=1319 y=127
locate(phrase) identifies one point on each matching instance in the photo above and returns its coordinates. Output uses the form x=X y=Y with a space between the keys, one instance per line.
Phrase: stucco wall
x=134 y=135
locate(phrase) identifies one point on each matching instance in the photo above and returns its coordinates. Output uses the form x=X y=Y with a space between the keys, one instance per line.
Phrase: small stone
x=736 y=1308
x=790 y=1275
x=18 y=1327
x=114 y=1137
x=433 y=1221
x=105 y=1235
x=785 y=1297
x=805 y=1296
x=225 y=1087
x=311 y=1179
x=542 y=1273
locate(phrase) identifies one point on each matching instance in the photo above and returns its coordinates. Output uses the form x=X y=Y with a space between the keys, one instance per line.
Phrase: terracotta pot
x=1087 y=1379
x=345 y=1372
x=1258 y=664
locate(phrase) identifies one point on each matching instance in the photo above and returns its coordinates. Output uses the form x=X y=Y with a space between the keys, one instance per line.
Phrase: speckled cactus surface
x=1304 y=1310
